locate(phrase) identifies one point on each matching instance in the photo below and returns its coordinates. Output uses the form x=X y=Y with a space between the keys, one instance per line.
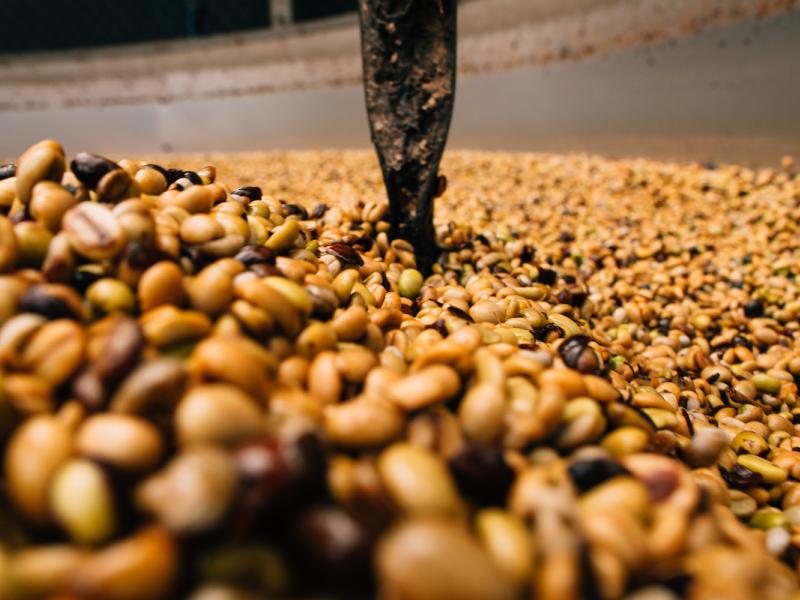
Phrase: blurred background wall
x=678 y=79
x=57 y=24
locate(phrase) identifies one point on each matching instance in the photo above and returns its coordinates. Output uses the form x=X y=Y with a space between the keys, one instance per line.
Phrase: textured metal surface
x=409 y=54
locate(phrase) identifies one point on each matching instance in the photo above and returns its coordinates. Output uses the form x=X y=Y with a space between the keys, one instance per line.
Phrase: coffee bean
x=577 y=354
x=546 y=276
x=345 y=253
x=253 y=255
x=8 y=170
x=93 y=231
x=53 y=301
x=754 y=308
x=482 y=474
x=90 y=168
x=590 y=472
x=337 y=546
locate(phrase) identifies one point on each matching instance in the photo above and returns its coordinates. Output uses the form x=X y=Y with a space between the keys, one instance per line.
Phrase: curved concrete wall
x=667 y=78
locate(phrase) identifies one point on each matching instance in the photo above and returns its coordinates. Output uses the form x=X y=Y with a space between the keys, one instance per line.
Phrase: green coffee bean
x=409 y=283
x=111 y=295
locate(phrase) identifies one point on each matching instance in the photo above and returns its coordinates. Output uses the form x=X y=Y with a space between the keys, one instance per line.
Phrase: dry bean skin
x=255 y=391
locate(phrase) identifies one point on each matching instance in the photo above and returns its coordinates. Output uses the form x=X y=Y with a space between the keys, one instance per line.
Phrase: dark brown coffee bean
x=158 y=168
x=577 y=354
x=336 y=545
x=546 y=276
x=193 y=177
x=345 y=254
x=741 y=477
x=587 y=473
x=121 y=352
x=53 y=301
x=319 y=211
x=113 y=185
x=252 y=255
x=173 y=175
x=295 y=209
x=88 y=389
x=86 y=275
x=90 y=168
x=8 y=170
x=482 y=474
x=250 y=192
x=461 y=314
x=754 y=308
x=279 y=476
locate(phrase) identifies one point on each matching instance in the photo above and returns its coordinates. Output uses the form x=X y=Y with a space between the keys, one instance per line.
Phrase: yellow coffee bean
x=293 y=292
x=49 y=202
x=217 y=413
x=617 y=494
x=93 y=231
x=125 y=442
x=772 y=473
x=283 y=236
x=9 y=252
x=363 y=422
x=81 y=502
x=109 y=295
x=431 y=385
x=482 y=412
x=150 y=181
x=196 y=199
x=626 y=440
x=42 y=161
x=56 y=351
x=315 y=338
x=423 y=559
x=34 y=454
x=211 y=290
x=162 y=283
x=166 y=325
x=409 y=283
x=508 y=541
x=143 y=566
x=418 y=480
x=236 y=360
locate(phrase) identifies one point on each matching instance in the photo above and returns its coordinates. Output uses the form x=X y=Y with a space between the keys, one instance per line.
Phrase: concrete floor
x=728 y=94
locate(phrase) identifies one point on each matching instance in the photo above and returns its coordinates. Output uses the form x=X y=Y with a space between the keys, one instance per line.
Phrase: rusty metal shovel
x=409 y=55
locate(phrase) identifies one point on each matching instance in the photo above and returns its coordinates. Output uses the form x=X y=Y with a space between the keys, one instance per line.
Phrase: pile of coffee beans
x=221 y=392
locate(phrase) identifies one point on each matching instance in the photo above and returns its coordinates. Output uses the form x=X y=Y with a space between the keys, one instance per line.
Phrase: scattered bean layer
x=220 y=392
